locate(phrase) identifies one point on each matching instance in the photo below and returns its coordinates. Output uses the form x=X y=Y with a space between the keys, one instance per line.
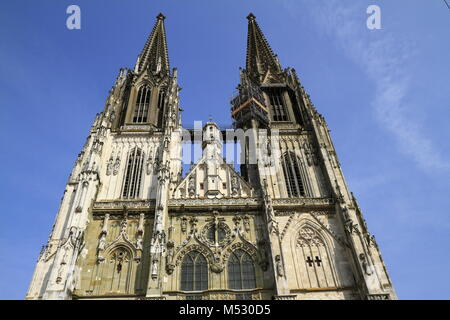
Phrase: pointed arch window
x=194 y=272
x=315 y=262
x=277 y=104
x=292 y=175
x=133 y=174
x=120 y=269
x=161 y=97
x=142 y=105
x=241 y=271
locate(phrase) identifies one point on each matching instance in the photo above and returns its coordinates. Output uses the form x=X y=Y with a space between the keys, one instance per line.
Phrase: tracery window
x=277 y=104
x=317 y=270
x=120 y=264
x=133 y=174
x=194 y=272
x=241 y=271
x=214 y=231
x=292 y=175
x=142 y=105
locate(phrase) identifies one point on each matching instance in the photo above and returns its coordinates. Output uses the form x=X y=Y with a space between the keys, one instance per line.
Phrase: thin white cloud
x=384 y=58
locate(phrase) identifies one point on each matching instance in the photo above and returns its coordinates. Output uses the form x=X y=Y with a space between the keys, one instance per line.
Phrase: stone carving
x=191 y=187
x=119 y=204
x=304 y=201
x=370 y=239
x=169 y=257
x=154 y=269
x=246 y=221
x=149 y=164
x=215 y=201
x=97 y=146
x=286 y=297
x=309 y=238
x=123 y=225
x=310 y=153
x=218 y=226
x=234 y=186
x=279 y=266
x=183 y=224
x=140 y=232
x=237 y=222
x=264 y=263
x=365 y=264
x=112 y=116
x=109 y=166
x=116 y=166
x=62 y=267
x=103 y=233
x=193 y=222
x=381 y=296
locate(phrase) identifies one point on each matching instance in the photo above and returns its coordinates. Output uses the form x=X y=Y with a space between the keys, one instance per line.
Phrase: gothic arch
x=142 y=104
x=241 y=271
x=133 y=175
x=207 y=253
x=294 y=173
x=116 y=272
x=313 y=256
x=246 y=246
x=194 y=275
x=121 y=243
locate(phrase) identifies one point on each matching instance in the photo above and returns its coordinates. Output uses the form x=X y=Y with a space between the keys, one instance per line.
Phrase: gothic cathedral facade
x=131 y=225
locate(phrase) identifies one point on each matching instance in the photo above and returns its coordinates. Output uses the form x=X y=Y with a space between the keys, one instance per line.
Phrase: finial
x=160 y=16
x=251 y=17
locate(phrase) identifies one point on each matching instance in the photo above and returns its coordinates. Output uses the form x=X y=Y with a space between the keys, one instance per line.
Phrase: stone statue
x=116 y=166
x=191 y=187
x=366 y=267
x=139 y=243
x=234 y=185
x=102 y=242
x=109 y=166
x=279 y=266
x=154 y=268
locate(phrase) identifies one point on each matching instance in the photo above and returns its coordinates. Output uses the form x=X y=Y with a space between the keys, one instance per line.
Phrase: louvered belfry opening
x=142 y=105
x=292 y=175
x=277 y=104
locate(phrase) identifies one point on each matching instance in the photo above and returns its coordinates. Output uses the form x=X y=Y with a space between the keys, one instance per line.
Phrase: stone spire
x=260 y=57
x=155 y=54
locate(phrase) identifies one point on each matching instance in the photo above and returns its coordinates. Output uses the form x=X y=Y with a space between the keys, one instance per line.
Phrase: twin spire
x=260 y=58
x=155 y=54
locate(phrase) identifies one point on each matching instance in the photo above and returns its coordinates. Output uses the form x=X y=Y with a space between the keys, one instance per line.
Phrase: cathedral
x=282 y=224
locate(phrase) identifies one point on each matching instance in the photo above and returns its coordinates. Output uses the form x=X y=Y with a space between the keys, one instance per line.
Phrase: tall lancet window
x=133 y=174
x=241 y=273
x=277 y=104
x=161 y=97
x=142 y=105
x=292 y=175
x=194 y=272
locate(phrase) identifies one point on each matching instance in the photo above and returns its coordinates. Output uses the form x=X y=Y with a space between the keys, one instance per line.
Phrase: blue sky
x=384 y=93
